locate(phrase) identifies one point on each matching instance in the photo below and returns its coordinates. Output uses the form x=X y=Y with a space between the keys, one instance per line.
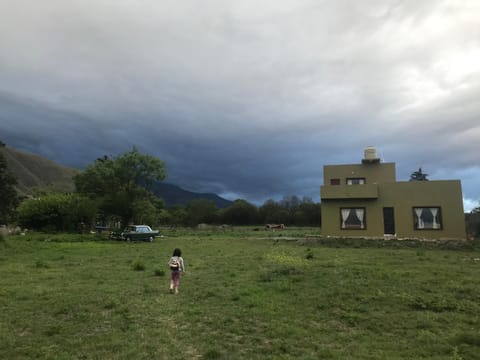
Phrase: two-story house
x=365 y=200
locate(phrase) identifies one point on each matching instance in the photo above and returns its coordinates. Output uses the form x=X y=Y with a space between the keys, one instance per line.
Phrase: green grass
x=246 y=295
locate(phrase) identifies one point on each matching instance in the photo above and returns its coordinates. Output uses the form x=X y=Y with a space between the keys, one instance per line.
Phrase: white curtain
x=418 y=212
x=434 y=212
x=360 y=213
x=345 y=213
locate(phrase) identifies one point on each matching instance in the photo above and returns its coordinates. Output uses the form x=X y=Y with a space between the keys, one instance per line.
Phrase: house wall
x=373 y=173
x=402 y=196
x=446 y=194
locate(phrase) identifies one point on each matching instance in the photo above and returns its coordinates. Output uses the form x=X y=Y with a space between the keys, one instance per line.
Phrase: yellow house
x=365 y=200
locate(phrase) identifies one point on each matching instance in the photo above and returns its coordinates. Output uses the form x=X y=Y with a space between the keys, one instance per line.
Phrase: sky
x=246 y=99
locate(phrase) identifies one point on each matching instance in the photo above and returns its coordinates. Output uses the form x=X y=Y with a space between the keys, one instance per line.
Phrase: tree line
x=114 y=191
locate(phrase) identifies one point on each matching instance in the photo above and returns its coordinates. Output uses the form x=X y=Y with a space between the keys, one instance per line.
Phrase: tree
x=308 y=214
x=201 y=211
x=120 y=183
x=240 y=212
x=418 y=175
x=8 y=194
x=177 y=215
x=291 y=210
x=56 y=212
x=273 y=212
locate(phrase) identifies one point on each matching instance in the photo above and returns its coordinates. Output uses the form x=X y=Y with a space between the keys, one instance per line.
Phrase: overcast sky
x=247 y=99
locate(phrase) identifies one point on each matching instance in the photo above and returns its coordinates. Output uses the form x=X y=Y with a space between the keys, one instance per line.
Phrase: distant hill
x=174 y=195
x=36 y=172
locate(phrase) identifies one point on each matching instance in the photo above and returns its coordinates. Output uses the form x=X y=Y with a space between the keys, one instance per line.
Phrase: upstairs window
x=427 y=218
x=355 y=181
x=334 y=181
x=352 y=218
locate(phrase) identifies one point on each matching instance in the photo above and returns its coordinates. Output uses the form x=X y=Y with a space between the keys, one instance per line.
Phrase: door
x=388 y=221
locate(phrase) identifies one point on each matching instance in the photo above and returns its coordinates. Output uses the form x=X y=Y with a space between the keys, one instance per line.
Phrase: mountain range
x=35 y=172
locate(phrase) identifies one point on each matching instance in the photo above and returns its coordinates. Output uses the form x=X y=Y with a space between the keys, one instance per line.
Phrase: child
x=177 y=267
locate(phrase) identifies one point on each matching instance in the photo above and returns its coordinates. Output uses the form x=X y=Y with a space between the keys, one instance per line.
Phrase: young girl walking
x=176 y=265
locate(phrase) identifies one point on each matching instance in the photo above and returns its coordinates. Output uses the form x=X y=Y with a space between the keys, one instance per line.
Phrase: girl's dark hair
x=177 y=252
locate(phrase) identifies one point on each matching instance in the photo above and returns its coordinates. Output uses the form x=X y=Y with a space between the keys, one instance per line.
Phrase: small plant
x=158 y=272
x=138 y=266
x=309 y=255
x=212 y=354
x=277 y=272
x=110 y=304
x=40 y=264
x=52 y=331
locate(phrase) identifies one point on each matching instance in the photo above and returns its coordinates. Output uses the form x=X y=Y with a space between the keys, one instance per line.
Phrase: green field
x=246 y=295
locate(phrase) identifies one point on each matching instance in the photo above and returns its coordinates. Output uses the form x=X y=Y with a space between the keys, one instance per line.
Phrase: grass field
x=246 y=295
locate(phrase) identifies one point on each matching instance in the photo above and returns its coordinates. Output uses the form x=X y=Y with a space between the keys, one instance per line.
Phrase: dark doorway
x=388 y=221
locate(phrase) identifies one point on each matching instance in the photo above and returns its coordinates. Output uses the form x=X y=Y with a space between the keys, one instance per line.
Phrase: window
x=355 y=181
x=352 y=218
x=427 y=218
x=334 y=181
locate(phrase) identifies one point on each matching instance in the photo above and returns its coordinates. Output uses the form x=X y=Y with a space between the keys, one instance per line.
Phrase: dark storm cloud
x=246 y=99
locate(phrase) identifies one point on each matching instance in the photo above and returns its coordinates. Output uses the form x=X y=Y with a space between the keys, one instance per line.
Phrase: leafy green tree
x=119 y=183
x=309 y=214
x=8 y=194
x=273 y=212
x=240 y=212
x=164 y=217
x=291 y=210
x=301 y=212
x=178 y=215
x=291 y=204
x=201 y=211
x=148 y=210
x=56 y=212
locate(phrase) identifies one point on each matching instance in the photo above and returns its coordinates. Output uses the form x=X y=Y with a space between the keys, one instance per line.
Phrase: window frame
x=362 y=181
x=335 y=181
x=437 y=218
x=354 y=227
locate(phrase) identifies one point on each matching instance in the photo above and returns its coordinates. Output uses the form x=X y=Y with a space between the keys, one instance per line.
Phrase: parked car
x=135 y=233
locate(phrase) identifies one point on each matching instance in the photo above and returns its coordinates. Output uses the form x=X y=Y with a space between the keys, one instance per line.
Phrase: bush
x=40 y=264
x=55 y=212
x=158 y=272
x=138 y=266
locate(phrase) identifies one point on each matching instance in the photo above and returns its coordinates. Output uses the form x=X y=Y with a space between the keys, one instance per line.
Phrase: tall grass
x=246 y=295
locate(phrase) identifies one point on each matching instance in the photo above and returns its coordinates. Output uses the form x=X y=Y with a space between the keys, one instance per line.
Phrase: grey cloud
x=245 y=98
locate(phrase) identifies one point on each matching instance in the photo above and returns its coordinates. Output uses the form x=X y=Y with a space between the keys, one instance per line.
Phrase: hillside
x=34 y=172
x=174 y=195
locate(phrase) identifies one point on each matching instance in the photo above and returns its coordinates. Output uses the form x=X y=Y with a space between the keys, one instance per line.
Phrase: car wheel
x=150 y=238
x=129 y=238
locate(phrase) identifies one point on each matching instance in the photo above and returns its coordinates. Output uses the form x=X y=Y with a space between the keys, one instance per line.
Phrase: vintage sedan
x=136 y=233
